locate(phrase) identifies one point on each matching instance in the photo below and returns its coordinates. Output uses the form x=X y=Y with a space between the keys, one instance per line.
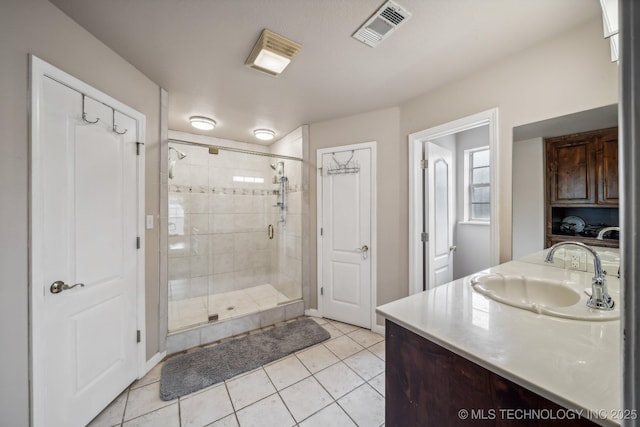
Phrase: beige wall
x=528 y=232
x=564 y=75
x=567 y=74
x=36 y=26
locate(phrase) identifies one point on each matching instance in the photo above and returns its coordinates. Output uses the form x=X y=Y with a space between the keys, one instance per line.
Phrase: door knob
x=364 y=248
x=453 y=248
x=59 y=286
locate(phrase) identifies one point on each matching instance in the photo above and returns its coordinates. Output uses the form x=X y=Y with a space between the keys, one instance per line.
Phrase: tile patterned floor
x=336 y=383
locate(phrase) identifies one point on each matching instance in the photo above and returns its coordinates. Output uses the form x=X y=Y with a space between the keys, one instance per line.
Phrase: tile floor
x=339 y=382
x=186 y=313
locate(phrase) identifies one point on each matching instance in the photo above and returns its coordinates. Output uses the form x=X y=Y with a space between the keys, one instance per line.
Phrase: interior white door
x=84 y=234
x=439 y=210
x=346 y=236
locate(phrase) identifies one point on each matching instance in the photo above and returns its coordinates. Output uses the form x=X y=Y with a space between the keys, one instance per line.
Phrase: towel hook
x=115 y=127
x=84 y=114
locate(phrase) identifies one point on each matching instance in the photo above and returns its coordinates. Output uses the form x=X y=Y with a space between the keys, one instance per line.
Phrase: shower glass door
x=234 y=234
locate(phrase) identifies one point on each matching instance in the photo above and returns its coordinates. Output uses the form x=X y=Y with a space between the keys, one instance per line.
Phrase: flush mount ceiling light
x=264 y=134
x=202 y=123
x=272 y=53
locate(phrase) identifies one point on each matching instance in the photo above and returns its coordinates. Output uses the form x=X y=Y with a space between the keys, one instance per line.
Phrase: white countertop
x=574 y=363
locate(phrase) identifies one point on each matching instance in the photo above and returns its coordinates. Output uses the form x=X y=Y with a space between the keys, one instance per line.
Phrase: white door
x=84 y=220
x=439 y=210
x=346 y=236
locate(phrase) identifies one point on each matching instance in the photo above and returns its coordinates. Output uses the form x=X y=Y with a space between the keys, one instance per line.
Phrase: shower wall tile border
x=236 y=191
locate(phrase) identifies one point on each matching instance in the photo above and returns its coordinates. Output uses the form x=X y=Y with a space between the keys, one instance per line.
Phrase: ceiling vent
x=384 y=22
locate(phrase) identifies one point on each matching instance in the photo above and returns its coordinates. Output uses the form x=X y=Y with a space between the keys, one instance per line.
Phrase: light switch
x=149 y=222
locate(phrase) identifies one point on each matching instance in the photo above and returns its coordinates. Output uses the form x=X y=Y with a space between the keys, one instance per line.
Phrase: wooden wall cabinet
x=582 y=169
x=571 y=171
x=581 y=172
x=608 y=180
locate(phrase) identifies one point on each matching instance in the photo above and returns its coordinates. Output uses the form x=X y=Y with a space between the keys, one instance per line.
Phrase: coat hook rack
x=84 y=114
x=115 y=127
x=350 y=166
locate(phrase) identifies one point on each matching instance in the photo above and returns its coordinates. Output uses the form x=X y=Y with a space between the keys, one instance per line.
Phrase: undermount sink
x=540 y=295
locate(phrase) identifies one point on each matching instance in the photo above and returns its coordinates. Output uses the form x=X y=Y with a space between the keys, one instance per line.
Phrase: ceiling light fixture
x=272 y=53
x=264 y=134
x=202 y=123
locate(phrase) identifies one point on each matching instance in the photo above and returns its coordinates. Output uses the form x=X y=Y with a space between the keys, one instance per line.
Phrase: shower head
x=273 y=166
x=180 y=154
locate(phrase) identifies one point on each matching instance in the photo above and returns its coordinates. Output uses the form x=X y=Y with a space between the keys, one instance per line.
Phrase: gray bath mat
x=190 y=372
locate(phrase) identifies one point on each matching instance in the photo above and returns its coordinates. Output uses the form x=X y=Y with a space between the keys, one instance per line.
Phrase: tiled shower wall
x=289 y=235
x=218 y=224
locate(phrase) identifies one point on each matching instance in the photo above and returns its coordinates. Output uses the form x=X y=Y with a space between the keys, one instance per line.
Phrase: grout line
x=126 y=402
x=230 y=399
x=287 y=406
x=345 y=411
x=325 y=389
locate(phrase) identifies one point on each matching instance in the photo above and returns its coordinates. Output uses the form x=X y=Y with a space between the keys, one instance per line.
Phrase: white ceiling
x=196 y=50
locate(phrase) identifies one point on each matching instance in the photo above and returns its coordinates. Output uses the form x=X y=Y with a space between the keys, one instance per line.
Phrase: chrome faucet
x=600 y=298
x=606 y=230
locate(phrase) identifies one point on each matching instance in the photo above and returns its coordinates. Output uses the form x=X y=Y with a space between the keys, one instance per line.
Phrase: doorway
x=86 y=240
x=346 y=233
x=452 y=204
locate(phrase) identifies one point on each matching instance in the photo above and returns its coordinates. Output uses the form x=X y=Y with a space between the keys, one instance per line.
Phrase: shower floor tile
x=194 y=311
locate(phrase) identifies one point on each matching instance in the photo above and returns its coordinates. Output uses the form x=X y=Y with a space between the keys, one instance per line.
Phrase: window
x=477 y=198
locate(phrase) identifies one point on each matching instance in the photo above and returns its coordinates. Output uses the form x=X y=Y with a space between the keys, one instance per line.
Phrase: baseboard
x=312 y=312
x=378 y=329
x=157 y=358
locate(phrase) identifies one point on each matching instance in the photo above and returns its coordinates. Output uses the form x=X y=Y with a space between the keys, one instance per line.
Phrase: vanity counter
x=573 y=363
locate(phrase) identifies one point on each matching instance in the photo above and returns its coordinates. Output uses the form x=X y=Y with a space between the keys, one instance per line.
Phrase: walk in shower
x=235 y=232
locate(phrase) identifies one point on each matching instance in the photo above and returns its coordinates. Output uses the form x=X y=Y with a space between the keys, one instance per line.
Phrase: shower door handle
x=59 y=286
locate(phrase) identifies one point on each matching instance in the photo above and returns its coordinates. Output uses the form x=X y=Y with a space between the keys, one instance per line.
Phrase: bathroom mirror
x=528 y=179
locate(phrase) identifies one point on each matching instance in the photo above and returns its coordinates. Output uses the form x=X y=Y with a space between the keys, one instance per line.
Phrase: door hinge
x=138 y=144
x=321 y=231
x=138 y=336
x=137 y=242
x=424 y=164
x=321 y=291
x=424 y=237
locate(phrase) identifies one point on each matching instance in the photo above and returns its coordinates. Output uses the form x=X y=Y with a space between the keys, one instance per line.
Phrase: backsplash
x=578 y=259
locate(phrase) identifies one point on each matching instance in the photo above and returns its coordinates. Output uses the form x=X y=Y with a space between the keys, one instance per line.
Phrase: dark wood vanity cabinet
x=582 y=180
x=428 y=385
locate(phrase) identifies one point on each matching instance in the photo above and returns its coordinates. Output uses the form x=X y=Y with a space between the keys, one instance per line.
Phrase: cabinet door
x=571 y=172
x=608 y=169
